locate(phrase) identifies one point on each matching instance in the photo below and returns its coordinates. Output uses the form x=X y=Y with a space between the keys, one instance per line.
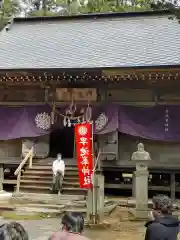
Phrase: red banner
x=83 y=134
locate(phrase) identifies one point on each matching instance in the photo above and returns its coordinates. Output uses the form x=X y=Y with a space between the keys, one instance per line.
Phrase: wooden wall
x=123 y=145
x=10 y=148
x=160 y=151
x=22 y=94
x=41 y=146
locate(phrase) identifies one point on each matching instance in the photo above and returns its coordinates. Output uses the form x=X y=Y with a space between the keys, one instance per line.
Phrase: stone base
x=5 y=195
x=140 y=214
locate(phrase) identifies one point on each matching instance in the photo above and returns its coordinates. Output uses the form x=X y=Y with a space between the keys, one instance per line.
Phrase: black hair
x=73 y=222
x=162 y=203
x=13 y=231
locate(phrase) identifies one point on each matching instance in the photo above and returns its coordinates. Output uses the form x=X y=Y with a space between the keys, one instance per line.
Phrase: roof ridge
x=92 y=16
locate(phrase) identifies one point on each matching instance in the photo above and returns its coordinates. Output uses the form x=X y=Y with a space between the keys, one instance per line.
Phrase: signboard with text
x=83 y=134
x=77 y=94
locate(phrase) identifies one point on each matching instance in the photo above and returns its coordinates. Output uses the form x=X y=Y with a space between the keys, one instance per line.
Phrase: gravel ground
x=119 y=228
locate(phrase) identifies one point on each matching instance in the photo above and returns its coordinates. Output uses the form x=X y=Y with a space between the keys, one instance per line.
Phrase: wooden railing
x=29 y=156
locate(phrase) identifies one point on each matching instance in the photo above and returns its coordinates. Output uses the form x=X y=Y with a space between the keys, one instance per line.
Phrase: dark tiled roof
x=130 y=41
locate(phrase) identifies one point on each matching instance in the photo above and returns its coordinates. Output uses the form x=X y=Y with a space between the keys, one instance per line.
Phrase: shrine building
x=119 y=70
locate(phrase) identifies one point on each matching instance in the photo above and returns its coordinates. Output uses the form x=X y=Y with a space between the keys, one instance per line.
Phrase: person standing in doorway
x=58 y=169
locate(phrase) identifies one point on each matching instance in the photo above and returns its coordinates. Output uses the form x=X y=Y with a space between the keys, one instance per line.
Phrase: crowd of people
x=162 y=225
x=72 y=229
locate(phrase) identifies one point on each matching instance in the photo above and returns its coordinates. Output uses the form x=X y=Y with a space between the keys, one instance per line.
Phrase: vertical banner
x=83 y=134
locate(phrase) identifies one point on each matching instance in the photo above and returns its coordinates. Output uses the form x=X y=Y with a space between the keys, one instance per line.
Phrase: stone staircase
x=38 y=179
x=48 y=203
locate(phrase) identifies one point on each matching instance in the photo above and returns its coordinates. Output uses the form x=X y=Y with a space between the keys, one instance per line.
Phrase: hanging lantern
x=52 y=118
x=64 y=122
x=69 y=123
x=53 y=113
x=88 y=114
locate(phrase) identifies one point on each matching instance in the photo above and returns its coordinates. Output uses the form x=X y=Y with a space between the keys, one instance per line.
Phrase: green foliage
x=41 y=13
x=12 y=8
x=9 y=9
x=173 y=7
x=114 y=6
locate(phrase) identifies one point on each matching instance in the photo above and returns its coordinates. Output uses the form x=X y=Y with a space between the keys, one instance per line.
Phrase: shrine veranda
x=131 y=95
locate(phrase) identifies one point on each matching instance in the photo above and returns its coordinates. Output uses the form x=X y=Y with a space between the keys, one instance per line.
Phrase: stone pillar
x=141 y=159
x=100 y=197
x=89 y=203
x=141 y=192
x=95 y=200
x=134 y=185
x=1 y=177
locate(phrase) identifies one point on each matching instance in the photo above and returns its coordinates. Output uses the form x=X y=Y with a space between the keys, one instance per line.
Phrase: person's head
x=73 y=222
x=59 y=156
x=13 y=231
x=162 y=205
x=140 y=147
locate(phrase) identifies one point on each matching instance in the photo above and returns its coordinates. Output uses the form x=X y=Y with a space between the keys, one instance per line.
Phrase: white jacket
x=58 y=166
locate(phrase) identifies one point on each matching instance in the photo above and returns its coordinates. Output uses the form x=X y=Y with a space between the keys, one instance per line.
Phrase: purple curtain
x=156 y=123
x=19 y=122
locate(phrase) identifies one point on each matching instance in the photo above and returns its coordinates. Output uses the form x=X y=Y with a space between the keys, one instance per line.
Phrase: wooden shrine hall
x=119 y=70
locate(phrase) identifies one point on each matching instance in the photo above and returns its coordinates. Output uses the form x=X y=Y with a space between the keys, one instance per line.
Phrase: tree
x=115 y=6
x=11 y=8
x=69 y=7
x=172 y=6
x=8 y=9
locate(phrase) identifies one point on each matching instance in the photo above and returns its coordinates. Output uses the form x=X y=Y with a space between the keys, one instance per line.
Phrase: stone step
x=37 y=177
x=49 y=168
x=47 y=189
x=38 y=172
x=36 y=205
x=71 y=178
x=35 y=188
x=30 y=181
x=25 y=189
x=63 y=205
x=74 y=191
x=70 y=184
x=7 y=207
x=26 y=209
x=48 y=178
x=47 y=182
x=80 y=210
x=10 y=181
x=48 y=173
x=49 y=197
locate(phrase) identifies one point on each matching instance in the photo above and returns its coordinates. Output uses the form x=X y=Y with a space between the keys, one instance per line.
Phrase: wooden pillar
x=173 y=186
x=1 y=176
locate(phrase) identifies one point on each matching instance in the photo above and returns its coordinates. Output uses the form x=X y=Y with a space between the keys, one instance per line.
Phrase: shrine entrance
x=62 y=141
